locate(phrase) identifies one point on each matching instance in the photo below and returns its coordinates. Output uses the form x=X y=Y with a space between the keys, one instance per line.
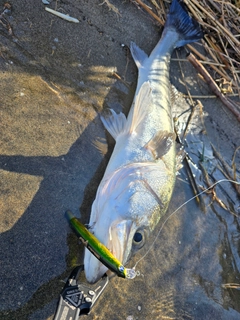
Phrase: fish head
x=124 y=213
x=122 y=235
x=126 y=238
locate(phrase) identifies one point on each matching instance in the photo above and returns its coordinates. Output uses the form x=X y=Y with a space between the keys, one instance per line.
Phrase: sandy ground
x=56 y=77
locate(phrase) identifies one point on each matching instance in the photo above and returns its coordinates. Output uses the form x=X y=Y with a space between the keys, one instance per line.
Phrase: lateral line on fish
x=182 y=205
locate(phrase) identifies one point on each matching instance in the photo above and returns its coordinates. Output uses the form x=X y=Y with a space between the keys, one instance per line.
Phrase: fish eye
x=138 y=239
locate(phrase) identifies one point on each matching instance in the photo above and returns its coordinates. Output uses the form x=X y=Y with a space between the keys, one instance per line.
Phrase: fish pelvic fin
x=188 y=29
x=115 y=123
x=138 y=54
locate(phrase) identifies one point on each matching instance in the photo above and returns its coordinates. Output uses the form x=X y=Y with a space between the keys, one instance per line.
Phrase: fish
x=138 y=182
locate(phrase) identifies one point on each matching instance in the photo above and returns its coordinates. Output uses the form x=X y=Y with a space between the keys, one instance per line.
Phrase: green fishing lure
x=98 y=249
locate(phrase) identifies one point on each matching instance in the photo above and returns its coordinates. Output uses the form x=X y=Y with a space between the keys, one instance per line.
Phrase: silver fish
x=139 y=180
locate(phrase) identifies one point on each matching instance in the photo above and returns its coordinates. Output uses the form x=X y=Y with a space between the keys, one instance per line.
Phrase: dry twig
x=145 y=7
x=212 y=84
x=231 y=286
x=221 y=23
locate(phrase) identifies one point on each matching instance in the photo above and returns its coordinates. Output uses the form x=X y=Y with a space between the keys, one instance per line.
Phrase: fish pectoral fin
x=115 y=123
x=138 y=54
x=161 y=143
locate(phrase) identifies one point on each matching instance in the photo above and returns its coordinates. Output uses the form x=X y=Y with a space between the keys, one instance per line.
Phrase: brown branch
x=209 y=80
x=202 y=57
x=144 y=6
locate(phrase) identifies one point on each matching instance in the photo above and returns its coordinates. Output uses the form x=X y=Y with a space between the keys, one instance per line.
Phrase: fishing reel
x=78 y=298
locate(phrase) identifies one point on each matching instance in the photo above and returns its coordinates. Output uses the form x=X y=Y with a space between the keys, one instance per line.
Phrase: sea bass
x=138 y=182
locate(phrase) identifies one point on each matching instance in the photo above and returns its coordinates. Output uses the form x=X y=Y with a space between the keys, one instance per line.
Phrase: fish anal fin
x=161 y=143
x=115 y=123
x=138 y=54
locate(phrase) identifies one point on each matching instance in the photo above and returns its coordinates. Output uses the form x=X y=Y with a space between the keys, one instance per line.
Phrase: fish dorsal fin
x=115 y=123
x=161 y=143
x=141 y=108
x=138 y=54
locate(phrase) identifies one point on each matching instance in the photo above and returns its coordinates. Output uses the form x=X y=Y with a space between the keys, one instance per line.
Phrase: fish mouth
x=116 y=239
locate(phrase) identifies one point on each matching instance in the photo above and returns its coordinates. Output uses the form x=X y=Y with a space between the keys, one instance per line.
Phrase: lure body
x=98 y=249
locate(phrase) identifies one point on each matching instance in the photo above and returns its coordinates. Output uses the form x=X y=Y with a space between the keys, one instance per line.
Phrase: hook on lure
x=98 y=249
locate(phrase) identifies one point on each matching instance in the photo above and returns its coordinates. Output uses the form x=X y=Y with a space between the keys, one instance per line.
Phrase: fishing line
x=151 y=246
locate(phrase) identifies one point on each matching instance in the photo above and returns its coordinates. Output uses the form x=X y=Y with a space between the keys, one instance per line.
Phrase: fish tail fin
x=188 y=29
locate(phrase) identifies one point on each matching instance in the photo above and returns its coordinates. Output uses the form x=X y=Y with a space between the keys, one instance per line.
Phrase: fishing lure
x=98 y=249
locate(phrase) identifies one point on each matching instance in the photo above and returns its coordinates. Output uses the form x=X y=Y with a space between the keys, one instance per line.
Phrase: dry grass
x=220 y=20
x=221 y=23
